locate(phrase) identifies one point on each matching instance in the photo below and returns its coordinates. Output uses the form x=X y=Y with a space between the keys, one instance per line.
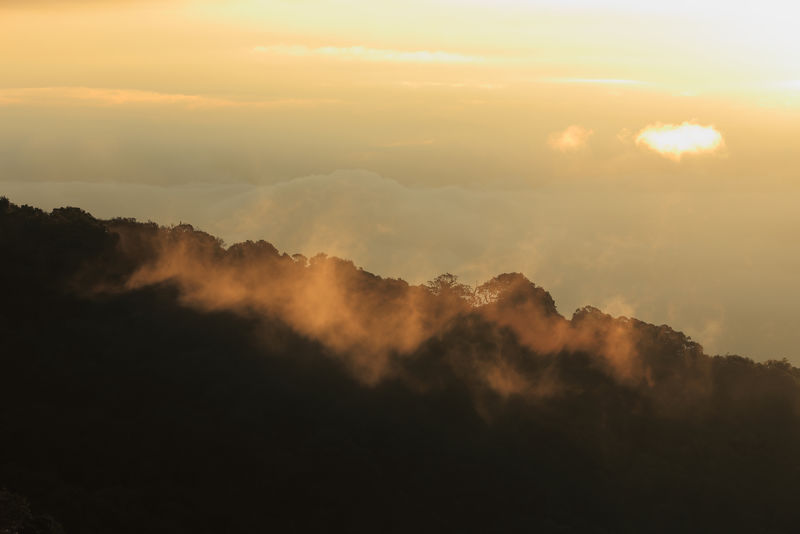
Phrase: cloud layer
x=99 y=96
x=364 y=53
x=637 y=252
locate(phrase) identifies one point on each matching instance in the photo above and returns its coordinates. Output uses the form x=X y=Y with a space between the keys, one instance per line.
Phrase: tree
x=447 y=285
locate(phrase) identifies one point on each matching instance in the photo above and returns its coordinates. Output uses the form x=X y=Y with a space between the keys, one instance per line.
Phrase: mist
x=657 y=256
x=174 y=383
x=374 y=324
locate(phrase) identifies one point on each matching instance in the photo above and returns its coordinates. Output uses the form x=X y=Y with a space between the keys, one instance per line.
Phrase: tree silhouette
x=447 y=285
x=143 y=408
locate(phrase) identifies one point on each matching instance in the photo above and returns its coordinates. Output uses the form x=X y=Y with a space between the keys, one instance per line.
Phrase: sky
x=640 y=157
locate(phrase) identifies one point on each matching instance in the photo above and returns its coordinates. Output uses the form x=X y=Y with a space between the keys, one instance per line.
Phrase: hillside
x=154 y=380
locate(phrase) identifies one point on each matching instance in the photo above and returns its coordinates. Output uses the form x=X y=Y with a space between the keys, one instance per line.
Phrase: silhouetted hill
x=152 y=380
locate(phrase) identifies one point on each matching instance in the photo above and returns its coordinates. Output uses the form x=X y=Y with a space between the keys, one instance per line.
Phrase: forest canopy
x=154 y=380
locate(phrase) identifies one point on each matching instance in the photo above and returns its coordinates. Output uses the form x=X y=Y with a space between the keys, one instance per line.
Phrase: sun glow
x=674 y=140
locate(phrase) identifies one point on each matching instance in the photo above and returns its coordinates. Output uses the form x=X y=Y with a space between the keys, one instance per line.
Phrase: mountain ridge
x=154 y=380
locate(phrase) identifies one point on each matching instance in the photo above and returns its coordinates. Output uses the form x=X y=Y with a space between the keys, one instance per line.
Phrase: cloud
x=95 y=96
x=674 y=140
x=450 y=85
x=618 y=306
x=364 y=53
x=573 y=138
x=376 y=325
x=596 y=81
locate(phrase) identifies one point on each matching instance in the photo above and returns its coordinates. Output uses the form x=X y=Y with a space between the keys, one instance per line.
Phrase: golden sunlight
x=399 y=265
x=674 y=140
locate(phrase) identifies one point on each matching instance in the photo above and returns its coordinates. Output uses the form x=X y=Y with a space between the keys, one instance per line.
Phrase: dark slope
x=131 y=409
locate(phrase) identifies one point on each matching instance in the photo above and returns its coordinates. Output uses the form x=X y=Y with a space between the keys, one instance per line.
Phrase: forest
x=153 y=379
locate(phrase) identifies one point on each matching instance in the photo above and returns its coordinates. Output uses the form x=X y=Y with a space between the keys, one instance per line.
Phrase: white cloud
x=674 y=140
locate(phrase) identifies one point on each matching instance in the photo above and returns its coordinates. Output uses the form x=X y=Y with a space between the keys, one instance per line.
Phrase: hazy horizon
x=638 y=158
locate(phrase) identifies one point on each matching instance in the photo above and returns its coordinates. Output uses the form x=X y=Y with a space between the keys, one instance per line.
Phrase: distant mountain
x=153 y=380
